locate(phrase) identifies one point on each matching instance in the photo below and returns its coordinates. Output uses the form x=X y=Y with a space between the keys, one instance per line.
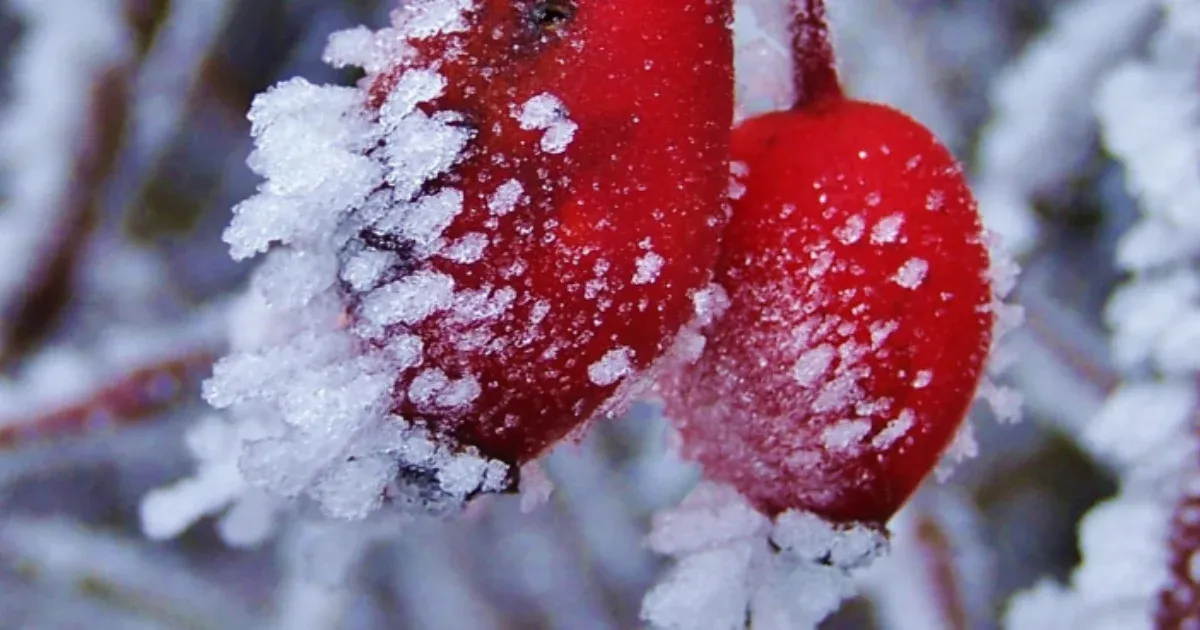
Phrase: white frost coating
x=506 y=198
x=63 y=58
x=420 y=147
x=852 y=230
x=1146 y=428
x=466 y=250
x=423 y=221
x=1125 y=533
x=421 y=19
x=432 y=388
x=726 y=569
x=912 y=273
x=1042 y=128
x=167 y=512
x=649 y=265
x=845 y=435
x=410 y=299
x=305 y=197
x=612 y=367
x=1164 y=412
x=308 y=401
x=895 y=430
x=887 y=230
x=813 y=364
x=545 y=112
x=365 y=269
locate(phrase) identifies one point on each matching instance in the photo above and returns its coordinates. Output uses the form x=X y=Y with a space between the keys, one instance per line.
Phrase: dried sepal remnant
x=472 y=252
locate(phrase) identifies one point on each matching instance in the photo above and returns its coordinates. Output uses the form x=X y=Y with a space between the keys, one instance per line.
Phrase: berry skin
x=605 y=230
x=859 y=315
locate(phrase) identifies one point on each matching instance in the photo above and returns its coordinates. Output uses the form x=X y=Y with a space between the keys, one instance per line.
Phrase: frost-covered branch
x=59 y=132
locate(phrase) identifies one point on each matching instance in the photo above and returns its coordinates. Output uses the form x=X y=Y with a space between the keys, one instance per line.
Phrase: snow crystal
x=426 y=386
x=460 y=393
x=423 y=221
x=294 y=123
x=468 y=249
x=852 y=230
x=420 y=147
x=648 y=267
x=506 y=198
x=887 y=230
x=845 y=434
x=415 y=86
x=912 y=273
x=894 y=430
x=813 y=364
x=737 y=174
x=880 y=331
x=409 y=300
x=811 y=537
x=612 y=367
x=922 y=379
x=423 y=19
x=547 y=113
x=363 y=270
x=706 y=590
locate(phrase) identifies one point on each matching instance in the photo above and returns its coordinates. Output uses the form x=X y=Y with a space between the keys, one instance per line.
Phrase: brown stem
x=133 y=396
x=814 y=65
x=1177 y=603
x=47 y=290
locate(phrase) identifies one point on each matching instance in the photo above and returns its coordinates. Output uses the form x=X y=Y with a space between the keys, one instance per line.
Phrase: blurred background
x=123 y=151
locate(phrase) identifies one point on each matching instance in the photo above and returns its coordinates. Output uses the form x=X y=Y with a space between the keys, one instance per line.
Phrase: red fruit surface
x=859 y=317
x=596 y=264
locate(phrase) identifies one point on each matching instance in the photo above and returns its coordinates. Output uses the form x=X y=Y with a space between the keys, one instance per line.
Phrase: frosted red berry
x=596 y=236
x=859 y=317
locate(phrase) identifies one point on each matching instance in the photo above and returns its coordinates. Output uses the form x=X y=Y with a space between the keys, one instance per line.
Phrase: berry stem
x=814 y=65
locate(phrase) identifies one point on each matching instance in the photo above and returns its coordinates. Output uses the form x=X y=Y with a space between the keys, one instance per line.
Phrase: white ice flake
x=887 y=230
x=307 y=399
x=612 y=367
x=649 y=265
x=545 y=112
x=912 y=273
x=506 y=197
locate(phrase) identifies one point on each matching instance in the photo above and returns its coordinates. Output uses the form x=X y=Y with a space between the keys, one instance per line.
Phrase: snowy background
x=123 y=146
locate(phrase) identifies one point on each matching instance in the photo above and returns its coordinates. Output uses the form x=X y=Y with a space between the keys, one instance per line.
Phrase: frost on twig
x=130 y=375
x=733 y=564
x=59 y=134
x=1042 y=132
x=1138 y=547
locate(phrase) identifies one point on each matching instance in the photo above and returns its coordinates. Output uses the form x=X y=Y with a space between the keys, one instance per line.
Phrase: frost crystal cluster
x=318 y=342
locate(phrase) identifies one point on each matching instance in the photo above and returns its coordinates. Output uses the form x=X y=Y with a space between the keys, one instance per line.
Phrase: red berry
x=859 y=316
x=593 y=249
